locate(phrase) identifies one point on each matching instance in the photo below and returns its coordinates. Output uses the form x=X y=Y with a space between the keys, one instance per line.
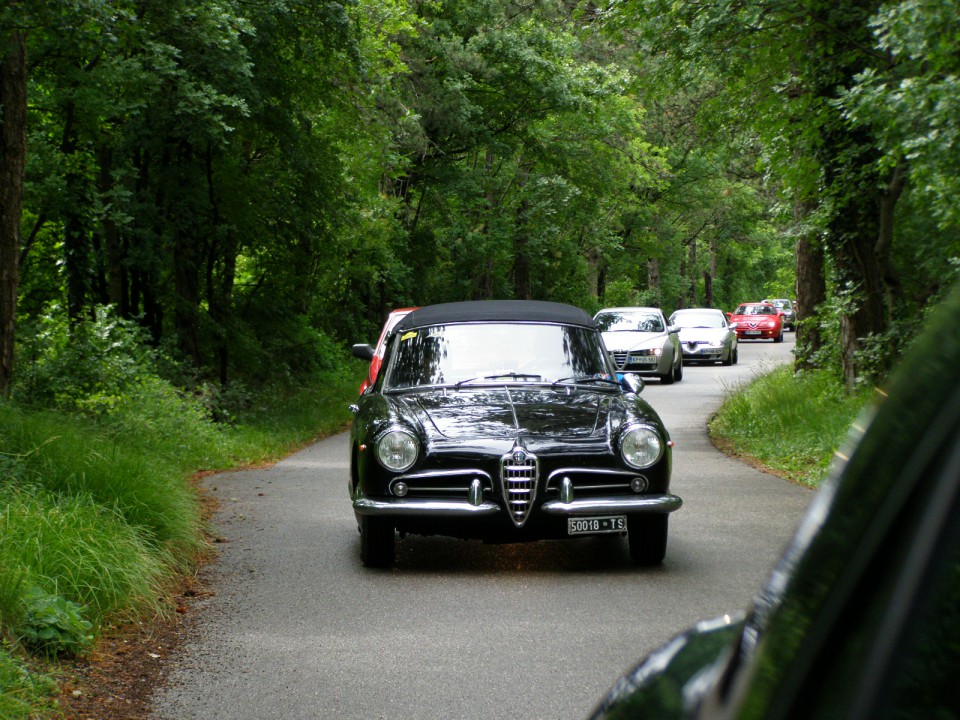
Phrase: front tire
x=377 y=549
x=647 y=537
x=779 y=338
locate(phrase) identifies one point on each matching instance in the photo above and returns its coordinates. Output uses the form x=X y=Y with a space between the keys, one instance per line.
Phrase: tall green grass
x=792 y=424
x=98 y=514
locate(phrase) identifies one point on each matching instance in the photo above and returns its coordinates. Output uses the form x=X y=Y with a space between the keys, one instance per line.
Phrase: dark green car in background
x=861 y=617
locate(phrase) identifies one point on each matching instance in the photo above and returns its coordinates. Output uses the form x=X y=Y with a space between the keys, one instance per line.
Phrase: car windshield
x=699 y=320
x=495 y=352
x=630 y=322
x=755 y=310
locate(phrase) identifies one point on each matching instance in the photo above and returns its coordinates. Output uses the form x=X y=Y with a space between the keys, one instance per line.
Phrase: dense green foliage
x=253 y=182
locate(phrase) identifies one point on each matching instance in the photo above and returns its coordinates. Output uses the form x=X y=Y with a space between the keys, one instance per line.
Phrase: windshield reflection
x=484 y=353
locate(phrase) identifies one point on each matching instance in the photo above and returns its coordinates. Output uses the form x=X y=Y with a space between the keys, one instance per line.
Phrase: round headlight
x=641 y=447
x=397 y=450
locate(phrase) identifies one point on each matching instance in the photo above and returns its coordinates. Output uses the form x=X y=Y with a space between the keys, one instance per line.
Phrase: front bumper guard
x=400 y=507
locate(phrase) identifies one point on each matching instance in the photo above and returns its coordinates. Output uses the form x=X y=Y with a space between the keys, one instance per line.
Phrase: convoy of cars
x=465 y=434
x=640 y=341
x=506 y=421
x=511 y=421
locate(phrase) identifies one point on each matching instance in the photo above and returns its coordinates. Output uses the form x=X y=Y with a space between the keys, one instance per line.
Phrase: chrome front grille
x=518 y=471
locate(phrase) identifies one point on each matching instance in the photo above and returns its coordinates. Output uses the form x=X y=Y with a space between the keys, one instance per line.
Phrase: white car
x=705 y=336
x=640 y=341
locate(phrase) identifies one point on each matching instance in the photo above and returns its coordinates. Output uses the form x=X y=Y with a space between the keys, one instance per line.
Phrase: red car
x=757 y=321
x=375 y=355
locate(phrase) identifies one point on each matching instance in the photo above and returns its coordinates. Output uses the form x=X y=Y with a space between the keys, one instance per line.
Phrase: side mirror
x=673 y=329
x=631 y=382
x=363 y=351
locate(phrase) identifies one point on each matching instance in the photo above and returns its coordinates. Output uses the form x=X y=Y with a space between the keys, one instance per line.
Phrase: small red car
x=757 y=321
x=375 y=355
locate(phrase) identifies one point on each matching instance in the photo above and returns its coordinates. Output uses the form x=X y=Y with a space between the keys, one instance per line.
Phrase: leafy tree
x=782 y=67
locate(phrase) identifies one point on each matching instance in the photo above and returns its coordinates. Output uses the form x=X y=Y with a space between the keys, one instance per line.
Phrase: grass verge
x=790 y=424
x=99 y=518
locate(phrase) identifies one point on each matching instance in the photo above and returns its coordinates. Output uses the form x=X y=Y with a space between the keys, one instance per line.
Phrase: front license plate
x=643 y=360
x=596 y=525
x=751 y=332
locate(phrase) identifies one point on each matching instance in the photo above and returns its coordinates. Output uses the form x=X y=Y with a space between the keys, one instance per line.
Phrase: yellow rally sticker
x=408 y=336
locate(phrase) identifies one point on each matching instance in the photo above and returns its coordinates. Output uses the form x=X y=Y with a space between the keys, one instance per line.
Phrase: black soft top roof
x=496 y=310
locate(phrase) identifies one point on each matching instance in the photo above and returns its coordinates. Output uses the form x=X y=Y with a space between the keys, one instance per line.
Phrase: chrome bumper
x=607 y=506
x=424 y=508
x=639 y=504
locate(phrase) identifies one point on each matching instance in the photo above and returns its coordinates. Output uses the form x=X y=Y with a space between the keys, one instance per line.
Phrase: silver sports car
x=640 y=341
x=705 y=336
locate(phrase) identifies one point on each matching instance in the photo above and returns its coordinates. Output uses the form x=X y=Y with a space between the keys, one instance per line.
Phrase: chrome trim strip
x=665 y=503
x=427 y=474
x=428 y=508
x=627 y=475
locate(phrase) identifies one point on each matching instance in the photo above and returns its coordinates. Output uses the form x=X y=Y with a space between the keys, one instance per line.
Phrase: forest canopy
x=255 y=184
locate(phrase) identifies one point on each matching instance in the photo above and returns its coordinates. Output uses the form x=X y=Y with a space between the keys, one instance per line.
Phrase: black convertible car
x=505 y=421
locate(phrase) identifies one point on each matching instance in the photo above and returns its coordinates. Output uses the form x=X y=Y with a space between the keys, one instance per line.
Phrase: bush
x=53 y=625
x=80 y=366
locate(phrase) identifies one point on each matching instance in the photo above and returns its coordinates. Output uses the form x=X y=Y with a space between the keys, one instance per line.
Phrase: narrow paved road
x=297 y=628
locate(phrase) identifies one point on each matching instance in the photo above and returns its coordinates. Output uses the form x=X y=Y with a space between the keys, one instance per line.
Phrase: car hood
x=692 y=334
x=753 y=319
x=622 y=341
x=507 y=412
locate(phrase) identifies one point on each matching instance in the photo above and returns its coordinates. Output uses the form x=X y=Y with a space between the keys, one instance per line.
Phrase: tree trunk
x=13 y=152
x=653 y=275
x=76 y=250
x=116 y=275
x=709 y=274
x=522 y=289
x=811 y=290
x=888 y=204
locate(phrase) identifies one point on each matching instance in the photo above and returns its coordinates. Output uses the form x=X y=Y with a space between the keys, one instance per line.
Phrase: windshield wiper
x=514 y=376
x=499 y=376
x=586 y=379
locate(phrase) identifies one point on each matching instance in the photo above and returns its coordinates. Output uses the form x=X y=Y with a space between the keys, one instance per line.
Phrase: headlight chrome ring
x=641 y=446
x=397 y=450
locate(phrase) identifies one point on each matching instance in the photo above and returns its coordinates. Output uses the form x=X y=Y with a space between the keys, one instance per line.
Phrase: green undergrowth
x=791 y=423
x=99 y=514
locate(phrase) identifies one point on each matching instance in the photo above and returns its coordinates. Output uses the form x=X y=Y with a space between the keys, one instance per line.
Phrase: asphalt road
x=297 y=628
